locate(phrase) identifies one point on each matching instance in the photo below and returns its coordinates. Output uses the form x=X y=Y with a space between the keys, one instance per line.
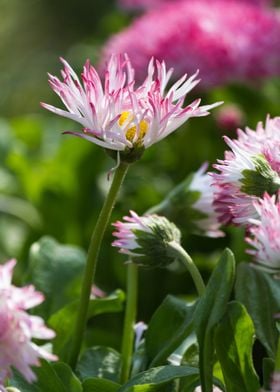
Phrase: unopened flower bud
x=146 y=239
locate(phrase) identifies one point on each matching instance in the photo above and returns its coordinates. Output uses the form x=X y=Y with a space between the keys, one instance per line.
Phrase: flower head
x=117 y=115
x=17 y=327
x=146 y=239
x=249 y=170
x=227 y=40
x=263 y=232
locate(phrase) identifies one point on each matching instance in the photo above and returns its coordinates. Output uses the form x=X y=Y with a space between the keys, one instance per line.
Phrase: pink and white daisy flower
x=17 y=327
x=249 y=170
x=117 y=115
x=145 y=239
x=263 y=232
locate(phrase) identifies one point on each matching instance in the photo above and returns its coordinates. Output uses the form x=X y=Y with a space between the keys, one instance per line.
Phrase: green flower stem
x=178 y=252
x=277 y=358
x=93 y=253
x=129 y=320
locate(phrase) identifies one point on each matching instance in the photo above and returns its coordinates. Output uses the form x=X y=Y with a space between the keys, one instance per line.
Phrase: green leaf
x=234 y=338
x=102 y=362
x=260 y=294
x=167 y=325
x=68 y=378
x=55 y=377
x=268 y=369
x=155 y=379
x=100 y=385
x=63 y=321
x=209 y=312
x=54 y=269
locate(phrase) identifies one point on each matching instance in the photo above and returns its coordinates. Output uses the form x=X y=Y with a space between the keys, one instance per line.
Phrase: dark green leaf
x=54 y=269
x=166 y=325
x=100 y=385
x=63 y=321
x=234 y=338
x=155 y=379
x=102 y=362
x=68 y=378
x=209 y=311
x=268 y=369
x=51 y=377
x=260 y=294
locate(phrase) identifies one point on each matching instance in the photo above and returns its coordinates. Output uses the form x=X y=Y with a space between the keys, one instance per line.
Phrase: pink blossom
x=229 y=117
x=118 y=116
x=249 y=170
x=226 y=40
x=263 y=232
x=17 y=327
x=145 y=239
x=148 y=4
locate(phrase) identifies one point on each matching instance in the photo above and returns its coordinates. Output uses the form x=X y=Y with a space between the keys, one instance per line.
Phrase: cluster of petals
x=226 y=40
x=263 y=232
x=231 y=202
x=117 y=115
x=202 y=183
x=17 y=328
x=126 y=233
x=148 y=4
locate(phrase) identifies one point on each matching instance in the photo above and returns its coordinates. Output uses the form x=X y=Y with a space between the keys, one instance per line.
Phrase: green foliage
x=260 y=293
x=55 y=377
x=55 y=270
x=63 y=321
x=155 y=379
x=102 y=362
x=234 y=337
x=100 y=385
x=209 y=312
x=168 y=327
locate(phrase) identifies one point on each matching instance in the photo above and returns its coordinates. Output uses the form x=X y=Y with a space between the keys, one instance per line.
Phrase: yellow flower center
x=130 y=133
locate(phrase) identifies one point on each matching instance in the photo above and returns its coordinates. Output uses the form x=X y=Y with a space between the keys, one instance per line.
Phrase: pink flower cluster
x=226 y=40
x=246 y=188
x=148 y=4
x=17 y=328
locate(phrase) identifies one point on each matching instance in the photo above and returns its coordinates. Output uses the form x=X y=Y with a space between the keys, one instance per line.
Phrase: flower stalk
x=180 y=253
x=92 y=258
x=129 y=321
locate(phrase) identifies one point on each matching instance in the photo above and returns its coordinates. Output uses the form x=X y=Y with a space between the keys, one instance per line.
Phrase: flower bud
x=146 y=239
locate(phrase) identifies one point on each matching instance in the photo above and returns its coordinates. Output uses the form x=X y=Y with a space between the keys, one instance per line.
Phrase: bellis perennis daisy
x=119 y=116
x=263 y=233
x=17 y=328
x=146 y=238
x=250 y=169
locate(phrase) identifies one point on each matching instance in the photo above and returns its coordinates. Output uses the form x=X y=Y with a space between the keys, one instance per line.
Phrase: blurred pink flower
x=148 y=4
x=226 y=40
x=229 y=117
x=17 y=327
x=263 y=232
x=118 y=116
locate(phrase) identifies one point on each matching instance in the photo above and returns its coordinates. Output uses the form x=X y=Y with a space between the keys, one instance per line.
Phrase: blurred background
x=54 y=185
